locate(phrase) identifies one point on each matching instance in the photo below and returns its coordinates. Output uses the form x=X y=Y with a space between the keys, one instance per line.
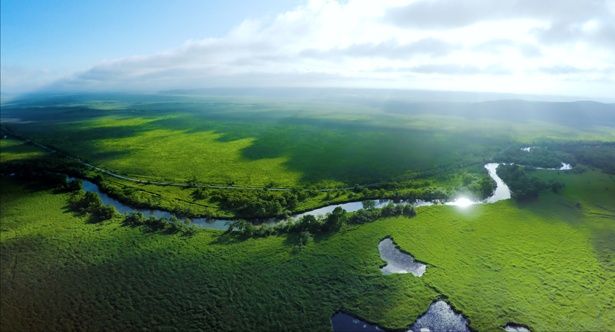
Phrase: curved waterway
x=210 y=223
x=223 y=224
x=502 y=192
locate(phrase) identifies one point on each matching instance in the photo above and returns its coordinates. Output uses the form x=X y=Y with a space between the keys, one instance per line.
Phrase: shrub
x=134 y=219
x=102 y=212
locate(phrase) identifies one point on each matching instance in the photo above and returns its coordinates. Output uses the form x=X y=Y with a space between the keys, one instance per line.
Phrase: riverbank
x=500 y=193
x=132 y=280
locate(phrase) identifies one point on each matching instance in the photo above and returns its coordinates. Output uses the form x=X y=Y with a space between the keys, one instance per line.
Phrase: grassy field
x=250 y=141
x=12 y=150
x=423 y=150
x=549 y=264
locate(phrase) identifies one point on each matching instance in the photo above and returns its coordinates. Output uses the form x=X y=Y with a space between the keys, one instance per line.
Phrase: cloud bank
x=526 y=46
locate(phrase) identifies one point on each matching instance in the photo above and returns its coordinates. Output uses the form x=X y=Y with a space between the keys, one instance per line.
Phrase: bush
x=258 y=203
x=134 y=219
x=304 y=238
x=85 y=203
x=364 y=216
x=335 y=220
x=102 y=212
x=74 y=185
x=309 y=225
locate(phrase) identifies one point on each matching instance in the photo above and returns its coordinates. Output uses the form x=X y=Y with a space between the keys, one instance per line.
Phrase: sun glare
x=462 y=202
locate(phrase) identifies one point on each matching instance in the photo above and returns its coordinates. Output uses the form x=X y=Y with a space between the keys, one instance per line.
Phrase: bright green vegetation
x=11 y=150
x=363 y=148
x=549 y=264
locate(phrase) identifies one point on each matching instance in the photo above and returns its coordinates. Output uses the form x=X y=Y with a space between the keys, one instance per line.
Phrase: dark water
x=343 y=322
x=512 y=327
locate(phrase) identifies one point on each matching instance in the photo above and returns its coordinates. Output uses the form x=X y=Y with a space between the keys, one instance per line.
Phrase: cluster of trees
x=480 y=185
x=545 y=156
x=170 y=225
x=551 y=154
x=596 y=154
x=259 y=203
x=89 y=203
x=523 y=186
x=42 y=175
x=309 y=225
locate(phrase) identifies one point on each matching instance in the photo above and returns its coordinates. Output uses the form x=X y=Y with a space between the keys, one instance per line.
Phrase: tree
x=134 y=219
x=335 y=219
x=198 y=194
x=369 y=204
x=102 y=212
x=304 y=238
x=408 y=210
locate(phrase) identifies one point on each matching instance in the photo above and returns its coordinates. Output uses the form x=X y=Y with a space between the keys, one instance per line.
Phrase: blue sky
x=560 y=47
x=72 y=34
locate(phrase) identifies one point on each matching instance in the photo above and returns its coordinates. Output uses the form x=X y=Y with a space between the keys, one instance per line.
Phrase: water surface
x=440 y=317
x=397 y=260
x=501 y=191
x=343 y=322
x=88 y=186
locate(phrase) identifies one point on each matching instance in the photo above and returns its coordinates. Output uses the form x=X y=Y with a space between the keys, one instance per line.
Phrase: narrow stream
x=209 y=223
x=502 y=192
x=223 y=224
x=439 y=317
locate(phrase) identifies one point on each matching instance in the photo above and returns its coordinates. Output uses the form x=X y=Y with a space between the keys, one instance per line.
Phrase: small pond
x=397 y=260
x=440 y=317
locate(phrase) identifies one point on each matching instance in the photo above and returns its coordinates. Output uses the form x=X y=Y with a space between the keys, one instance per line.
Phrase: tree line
x=310 y=225
x=524 y=187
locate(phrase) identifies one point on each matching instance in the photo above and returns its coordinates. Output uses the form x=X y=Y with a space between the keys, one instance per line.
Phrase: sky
x=555 y=47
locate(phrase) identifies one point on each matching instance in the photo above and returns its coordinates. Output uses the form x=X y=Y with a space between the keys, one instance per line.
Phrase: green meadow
x=548 y=264
x=260 y=142
x=362 y=149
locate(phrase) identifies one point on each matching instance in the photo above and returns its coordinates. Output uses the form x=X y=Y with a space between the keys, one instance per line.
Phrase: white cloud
x=561 y=47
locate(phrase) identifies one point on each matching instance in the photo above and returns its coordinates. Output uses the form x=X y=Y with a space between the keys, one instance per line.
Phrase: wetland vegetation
x=544 y=260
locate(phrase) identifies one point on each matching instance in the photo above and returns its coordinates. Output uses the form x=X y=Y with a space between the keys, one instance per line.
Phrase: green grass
x=259 y=142
x=279 y=142
x=548 y=264
x=12 y=150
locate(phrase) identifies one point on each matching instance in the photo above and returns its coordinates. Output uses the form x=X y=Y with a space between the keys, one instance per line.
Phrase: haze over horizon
x=549 y=47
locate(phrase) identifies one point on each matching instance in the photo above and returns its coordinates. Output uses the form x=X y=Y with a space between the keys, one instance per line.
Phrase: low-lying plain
x=547 y=262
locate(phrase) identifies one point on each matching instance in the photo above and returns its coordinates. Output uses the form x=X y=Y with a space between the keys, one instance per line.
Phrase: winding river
x=439 y=316
x=501 y=192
